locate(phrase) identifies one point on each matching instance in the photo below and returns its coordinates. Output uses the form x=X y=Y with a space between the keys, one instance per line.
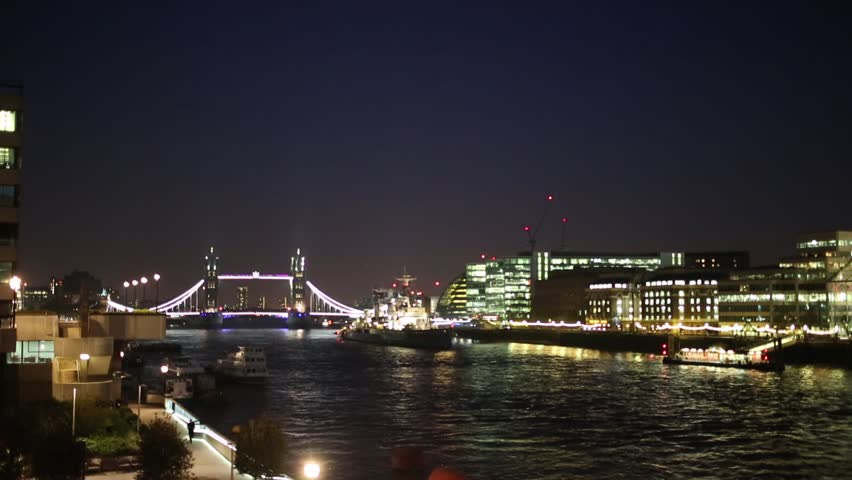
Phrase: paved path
x=209 y=464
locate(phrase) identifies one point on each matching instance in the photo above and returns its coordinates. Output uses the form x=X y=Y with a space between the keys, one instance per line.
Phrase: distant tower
x=297 y=270
x=211 y=285
x=242 y=299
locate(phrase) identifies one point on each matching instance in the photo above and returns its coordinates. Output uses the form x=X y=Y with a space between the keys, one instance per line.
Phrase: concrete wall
x=67 y=352
x=108 y=390
x=128 y=326
x=8 y=337
x=37 y=325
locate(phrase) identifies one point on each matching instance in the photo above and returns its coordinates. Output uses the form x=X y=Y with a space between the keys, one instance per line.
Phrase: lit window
x=7 y=121
x=7 y=158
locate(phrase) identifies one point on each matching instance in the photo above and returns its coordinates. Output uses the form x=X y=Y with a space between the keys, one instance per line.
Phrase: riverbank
x=811 y=351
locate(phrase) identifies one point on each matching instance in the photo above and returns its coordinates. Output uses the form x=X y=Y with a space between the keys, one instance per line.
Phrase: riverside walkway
x=208 y=464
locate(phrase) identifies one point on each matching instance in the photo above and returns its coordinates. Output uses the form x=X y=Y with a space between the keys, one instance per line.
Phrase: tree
x=260 y=448
x=58 y=456
x=163 y=455
x=11 y=463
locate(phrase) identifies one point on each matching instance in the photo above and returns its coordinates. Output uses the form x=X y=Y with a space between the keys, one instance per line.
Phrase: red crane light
x=482 y=256
x=393 y=285
x=564 y=220
x=437 y=284
x=549 y=197
x=526 y=228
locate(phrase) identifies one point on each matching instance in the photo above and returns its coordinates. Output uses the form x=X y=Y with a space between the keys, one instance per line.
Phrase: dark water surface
x=519 y=411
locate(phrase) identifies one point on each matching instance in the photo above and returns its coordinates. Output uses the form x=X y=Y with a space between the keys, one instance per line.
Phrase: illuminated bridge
x=203 y=296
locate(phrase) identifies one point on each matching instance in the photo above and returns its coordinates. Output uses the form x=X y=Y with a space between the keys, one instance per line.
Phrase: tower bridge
x=305 y=298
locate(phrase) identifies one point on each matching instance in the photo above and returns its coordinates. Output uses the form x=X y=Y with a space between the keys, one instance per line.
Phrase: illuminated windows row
x=8 y=120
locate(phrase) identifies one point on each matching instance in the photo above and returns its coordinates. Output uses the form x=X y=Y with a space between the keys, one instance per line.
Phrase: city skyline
x=368 y=131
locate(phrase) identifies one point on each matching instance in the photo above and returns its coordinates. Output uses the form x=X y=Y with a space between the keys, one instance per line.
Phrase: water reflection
x=540 y=411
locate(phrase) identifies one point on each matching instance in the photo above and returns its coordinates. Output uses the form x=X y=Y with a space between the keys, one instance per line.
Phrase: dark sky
x=377 y=135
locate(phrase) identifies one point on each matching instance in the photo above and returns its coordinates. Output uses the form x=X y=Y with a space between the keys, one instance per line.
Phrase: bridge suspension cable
x=164 y=307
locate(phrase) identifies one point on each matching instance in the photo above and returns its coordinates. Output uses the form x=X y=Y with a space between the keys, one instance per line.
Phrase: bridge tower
x=211 y=282
x=297 y=293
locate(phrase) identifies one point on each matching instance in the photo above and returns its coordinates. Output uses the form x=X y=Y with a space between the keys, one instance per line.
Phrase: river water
x=520 y=411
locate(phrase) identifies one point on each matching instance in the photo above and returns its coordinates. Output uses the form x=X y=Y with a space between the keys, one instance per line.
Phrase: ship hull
x=765 y=366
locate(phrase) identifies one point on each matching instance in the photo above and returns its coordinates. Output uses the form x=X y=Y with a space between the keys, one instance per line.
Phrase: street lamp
x=125 y=299
x=164 y=369
x=85 y=357
x=312 y=470
x=144 y=281
x=156 y=291
x=15 y=285
x=135 y=283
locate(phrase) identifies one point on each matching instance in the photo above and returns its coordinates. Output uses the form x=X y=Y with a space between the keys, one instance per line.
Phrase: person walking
x=191 y=427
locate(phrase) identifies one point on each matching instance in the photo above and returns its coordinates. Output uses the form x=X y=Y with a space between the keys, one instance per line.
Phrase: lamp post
x=15 y=285
x=74 y=413
x=135 y=284
x=164 y=369
x=144 y=281
x=125 y=299
x=139 y=409
x=156 y=291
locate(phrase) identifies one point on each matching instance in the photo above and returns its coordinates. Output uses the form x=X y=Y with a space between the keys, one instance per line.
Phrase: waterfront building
x=475 y=284
x=685 y=297
x=827 y=251
x=211 y=282
x=811 y=288
x=261 y=303
x=500 y=288
x=726 y=261
x=242 y=299
x=52 y=358
x=775 y=297
x=35 y=298
x=11 y=154
x=453 y=301
x=556 y=261
x=613 y=300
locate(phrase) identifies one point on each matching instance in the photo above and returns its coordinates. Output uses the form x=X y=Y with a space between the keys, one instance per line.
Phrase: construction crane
x=533 y=233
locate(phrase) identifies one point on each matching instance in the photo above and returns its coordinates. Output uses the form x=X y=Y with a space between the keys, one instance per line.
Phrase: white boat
x=185 y=379
x=245 y=365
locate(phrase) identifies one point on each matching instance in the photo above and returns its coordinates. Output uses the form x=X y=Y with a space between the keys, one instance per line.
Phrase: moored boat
x=247 y=364
x=718 y=357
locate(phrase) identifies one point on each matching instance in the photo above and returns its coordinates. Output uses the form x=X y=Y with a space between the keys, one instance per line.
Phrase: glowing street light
x=312 y=470
x=144 y=281
x=135 y=283
x=126 y=286
x=156 y=291
x=164 y=369
x=84 y=357
x=15 y=285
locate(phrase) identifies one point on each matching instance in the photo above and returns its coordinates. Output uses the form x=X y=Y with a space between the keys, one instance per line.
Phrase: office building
x=811 y=288
x=499 y=288
x=453 y=301
x=11 y=155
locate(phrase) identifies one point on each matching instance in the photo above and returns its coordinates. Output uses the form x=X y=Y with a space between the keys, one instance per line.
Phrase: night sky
x=377 y=135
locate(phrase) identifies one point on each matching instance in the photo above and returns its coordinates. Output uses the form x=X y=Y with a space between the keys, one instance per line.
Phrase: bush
x=11 y=463
x=58 y=456
x=260 y=448
x=163 y=455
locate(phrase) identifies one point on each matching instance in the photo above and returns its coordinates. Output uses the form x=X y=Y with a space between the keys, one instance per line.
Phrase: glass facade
x=36 y=351
x=453 y=302
x=500 y=288
x=548 y=262
x=476 y=298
